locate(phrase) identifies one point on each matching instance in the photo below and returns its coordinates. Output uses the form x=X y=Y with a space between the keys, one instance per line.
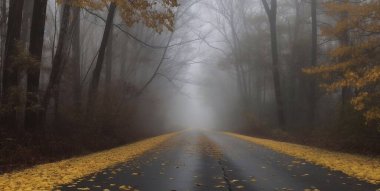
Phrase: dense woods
x=83 y=75
x=308 y=68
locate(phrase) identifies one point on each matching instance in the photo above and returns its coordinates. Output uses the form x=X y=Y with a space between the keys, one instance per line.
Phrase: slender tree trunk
x=108 y=79
x=314 y=49
x=314 y=32
x=272 y=14
x=123 y=62
x=24 y=44
x=76 y=60
x=26 y=22
x=3 y=31
x=58 y=61
x=346 y=92
x=13 y=35
x=294 y=72
x=10 y=70
x=93 y=89
x=276 y=76
x=37 y=33
x=109 y=60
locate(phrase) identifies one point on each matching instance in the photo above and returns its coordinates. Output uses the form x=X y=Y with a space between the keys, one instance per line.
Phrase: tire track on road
x=212 y=149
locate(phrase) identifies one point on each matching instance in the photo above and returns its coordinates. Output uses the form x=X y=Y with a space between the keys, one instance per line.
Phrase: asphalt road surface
x=203 y=160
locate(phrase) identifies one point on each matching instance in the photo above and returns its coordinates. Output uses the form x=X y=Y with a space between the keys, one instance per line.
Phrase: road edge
x=47 y=176
x=361 y=167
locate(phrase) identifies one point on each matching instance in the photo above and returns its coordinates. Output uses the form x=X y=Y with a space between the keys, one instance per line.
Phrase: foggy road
x=151 y=95
x=206 y=160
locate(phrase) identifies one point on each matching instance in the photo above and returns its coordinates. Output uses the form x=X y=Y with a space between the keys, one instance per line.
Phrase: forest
x=81 y=76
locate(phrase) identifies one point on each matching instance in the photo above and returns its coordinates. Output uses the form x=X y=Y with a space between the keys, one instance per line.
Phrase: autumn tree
x=37 y=32
x=314 y=60
x=153 y=14
x=271 y=10
x=11 y=64
x=355 y=65
x=92 y=94
x=76 y=58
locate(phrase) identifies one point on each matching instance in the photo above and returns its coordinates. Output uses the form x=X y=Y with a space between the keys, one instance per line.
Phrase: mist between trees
x=84 y=75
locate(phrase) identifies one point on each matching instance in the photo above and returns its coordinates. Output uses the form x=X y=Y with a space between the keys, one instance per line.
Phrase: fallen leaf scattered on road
x=47 y=176
x=361 y=167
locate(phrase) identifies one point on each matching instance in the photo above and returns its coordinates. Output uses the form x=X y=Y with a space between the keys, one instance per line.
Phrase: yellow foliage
x=361 y=167
x=94 y=4
x=355 y=62
x=47 y=176
x=154 y=14
x=147 y=12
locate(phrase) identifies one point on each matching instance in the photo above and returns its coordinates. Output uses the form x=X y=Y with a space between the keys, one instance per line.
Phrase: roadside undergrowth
x=358 y=166
x=47 y=176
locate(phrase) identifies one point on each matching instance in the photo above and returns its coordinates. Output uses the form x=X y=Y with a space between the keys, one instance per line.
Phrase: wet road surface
x=207 y=161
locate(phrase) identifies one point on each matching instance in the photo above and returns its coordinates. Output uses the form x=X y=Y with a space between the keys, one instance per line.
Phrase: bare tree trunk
x=107 y=85
x=3 y=31
x=24 y=44
x=10 y=70
x=26 y=22
x=123 y=62
x=37 y=33
x=58 y=61
x=314 y=49
x=93 y=89
x=294 y=71
x=346 y=92
x=272 y=14
x=76 y=60
x=13 y=35
x=109 y=60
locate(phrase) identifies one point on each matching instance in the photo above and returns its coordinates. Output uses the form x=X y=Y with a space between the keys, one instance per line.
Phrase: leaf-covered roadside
x=45 y=177
x=362 y=167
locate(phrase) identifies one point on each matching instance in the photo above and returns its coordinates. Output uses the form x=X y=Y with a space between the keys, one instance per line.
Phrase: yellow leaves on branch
x=357 y=16
x=154 y=14
x=93 y=4
x=355 y=62
x=373 y=113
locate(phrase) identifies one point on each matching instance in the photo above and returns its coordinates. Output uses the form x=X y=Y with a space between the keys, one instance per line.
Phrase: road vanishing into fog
x=207 y=161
